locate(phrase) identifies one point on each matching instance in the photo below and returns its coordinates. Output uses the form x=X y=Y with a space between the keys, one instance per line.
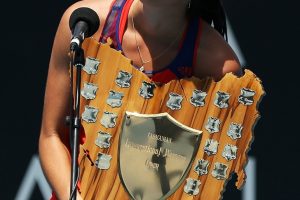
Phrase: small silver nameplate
x=192 y=186
x=201 y=167
x=90 y=114
x=89 y=91
x=246 y=96
x=198 y=98
x=108 y=119
x=115 y=99
x=103 y=140
x=235 y=131
x=91 y=65
x=147 y=90
x=103 y=161
x=174 y=102
x=221 y=99
x=211 y=147
x=219 y=171
x=213 y=125
x=229 y=152
x=123 y=79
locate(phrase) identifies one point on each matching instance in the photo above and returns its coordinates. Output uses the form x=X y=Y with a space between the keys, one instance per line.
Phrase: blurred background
x=264 y=34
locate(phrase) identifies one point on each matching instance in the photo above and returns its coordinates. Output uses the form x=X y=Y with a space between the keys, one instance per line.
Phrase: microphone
x=84 y=22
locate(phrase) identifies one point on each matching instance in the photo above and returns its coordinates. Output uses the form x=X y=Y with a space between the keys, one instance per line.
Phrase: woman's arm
x=53 y=142
x=215 y=57
x=54 y=155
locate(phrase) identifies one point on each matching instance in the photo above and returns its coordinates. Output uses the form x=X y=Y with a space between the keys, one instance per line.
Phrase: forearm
x=55 y=161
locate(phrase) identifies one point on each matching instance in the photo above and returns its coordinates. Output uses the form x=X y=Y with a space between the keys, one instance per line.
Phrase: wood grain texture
x=105 y=184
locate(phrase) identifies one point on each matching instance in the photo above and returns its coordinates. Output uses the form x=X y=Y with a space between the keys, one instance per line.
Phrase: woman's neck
x=157 y=18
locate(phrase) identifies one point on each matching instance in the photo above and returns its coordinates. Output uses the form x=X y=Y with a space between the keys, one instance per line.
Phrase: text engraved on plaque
x=159 y=152
x=155 y=154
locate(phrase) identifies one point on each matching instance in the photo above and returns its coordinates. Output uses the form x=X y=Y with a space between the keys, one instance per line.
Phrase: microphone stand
x=77 y=61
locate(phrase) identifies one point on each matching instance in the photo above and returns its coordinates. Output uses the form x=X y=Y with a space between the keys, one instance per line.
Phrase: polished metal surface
x=246 y=96
x=155 y=155
x=211 y=147
x=108 y=119
x=123 y=79
x=90 y=114
x=213 y=125
x=221 y=99
x=219 y=171
x=103 y=161
x=198 y=98
x=115 y=99
x=201 y=167
x=91 y=65
x=174 y=102
x=147 y=90
x=229 y=152
x=235 y=131
x=192 y=186
x=103 y=140
x=89 y=91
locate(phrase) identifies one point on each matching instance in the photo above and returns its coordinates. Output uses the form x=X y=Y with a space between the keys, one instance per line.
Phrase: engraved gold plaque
x=155 y=154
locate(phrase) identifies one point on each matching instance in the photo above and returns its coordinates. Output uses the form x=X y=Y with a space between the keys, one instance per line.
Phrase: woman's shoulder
x=215 y=57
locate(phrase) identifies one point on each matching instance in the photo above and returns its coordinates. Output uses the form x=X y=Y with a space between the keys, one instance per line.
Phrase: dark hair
x=212 y=12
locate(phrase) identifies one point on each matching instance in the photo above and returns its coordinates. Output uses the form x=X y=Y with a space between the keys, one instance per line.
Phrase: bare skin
x=157 y=24
x=215 y=57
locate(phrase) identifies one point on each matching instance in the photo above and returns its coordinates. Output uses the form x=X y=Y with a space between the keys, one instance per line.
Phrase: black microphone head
x=87 y=15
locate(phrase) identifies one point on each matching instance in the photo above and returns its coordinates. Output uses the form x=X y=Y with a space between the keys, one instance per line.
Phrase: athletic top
x=181 y=66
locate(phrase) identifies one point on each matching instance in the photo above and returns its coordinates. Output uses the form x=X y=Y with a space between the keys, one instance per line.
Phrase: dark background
x=267 y=32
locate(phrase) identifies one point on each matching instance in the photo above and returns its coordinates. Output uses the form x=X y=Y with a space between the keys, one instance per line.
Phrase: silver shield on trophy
x=155 y=154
